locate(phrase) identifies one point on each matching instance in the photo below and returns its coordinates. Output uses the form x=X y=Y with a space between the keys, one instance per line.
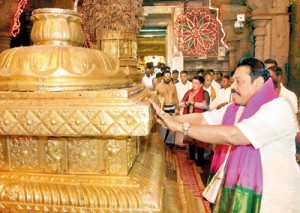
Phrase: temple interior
x=77 y=132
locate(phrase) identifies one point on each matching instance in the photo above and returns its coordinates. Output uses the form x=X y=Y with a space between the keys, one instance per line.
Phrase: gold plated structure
x=71 y=125
x=123 y=45
x=52 y=64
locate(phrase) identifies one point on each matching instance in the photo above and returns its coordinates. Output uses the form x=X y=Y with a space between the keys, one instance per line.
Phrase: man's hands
x=165 y=119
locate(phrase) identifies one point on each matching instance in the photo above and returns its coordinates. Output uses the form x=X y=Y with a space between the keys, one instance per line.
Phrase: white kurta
x=181 y=90
x=290 y=97
x=148 y=81
x=272 y=130
x=216 y=86
x=224 y=96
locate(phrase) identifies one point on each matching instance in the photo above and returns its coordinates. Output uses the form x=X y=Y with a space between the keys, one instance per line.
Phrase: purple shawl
x=244 y=162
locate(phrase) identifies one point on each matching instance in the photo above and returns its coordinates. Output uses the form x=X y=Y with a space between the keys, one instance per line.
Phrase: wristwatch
x=185 y=127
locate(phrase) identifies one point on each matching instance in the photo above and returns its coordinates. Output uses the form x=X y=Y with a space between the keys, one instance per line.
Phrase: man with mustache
x=254 y=167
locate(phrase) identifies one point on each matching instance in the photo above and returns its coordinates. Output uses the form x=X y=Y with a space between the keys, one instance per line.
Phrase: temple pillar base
x=141 y=190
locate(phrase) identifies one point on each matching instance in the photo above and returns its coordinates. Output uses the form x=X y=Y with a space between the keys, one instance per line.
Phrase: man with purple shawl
x=261 y=173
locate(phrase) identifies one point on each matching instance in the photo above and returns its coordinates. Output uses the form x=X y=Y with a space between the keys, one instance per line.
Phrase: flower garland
x=196 y=31
x=15 y=29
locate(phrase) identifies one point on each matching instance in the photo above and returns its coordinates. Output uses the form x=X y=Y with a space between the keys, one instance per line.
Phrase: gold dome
x=52 y=64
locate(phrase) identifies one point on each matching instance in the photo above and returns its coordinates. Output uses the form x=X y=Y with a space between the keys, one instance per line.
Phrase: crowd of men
x=252 y=119
x=172 y=86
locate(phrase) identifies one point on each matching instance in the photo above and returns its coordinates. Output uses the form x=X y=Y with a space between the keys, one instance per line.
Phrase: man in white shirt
x=224 y=95
x=288 y=95
x=214 y=83
x=208 y=87
x=147 y=79
x=175 y=75
x=276 y=74
x=157 y=69
x=256 y=134
x=183 y=86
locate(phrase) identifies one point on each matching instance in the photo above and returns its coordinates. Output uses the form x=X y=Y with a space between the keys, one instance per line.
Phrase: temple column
x=115 y=33
x=232 y=55
x=4 y=41
x=237 y=41
x=272 y=33
x=175 y=57
x=259 y=34
x=123 y=45
x=169 y=44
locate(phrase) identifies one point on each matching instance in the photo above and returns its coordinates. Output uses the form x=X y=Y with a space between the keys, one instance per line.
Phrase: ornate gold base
x=114 y=112
x=141 y=191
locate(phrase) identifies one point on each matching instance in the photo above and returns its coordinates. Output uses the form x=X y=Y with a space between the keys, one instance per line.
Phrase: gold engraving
x=52 y=64
x=83 y=154
x=112 y=157
x=70 y=30
x=71 y=120
x=12 y=190
x=141 y=190
x=54 y=155
x=113 y=18
x=60 y=122
x=131 y=149
x=24 y=153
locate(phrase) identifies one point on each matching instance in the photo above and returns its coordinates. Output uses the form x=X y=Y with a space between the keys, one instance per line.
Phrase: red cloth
x=197 y=98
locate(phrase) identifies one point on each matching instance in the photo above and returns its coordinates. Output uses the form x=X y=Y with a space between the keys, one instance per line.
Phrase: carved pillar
x=234 y=39
x=175 y=58
x=71 y=139
x=116 y=33
x=169 y=44
x=4 y=41
x=271 y=21
x=259 y=34
x=232 y=55
x=123 y=45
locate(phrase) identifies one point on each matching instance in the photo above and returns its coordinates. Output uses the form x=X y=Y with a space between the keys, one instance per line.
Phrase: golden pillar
x=71 y=125
x=123 y=45
x=113 y=26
